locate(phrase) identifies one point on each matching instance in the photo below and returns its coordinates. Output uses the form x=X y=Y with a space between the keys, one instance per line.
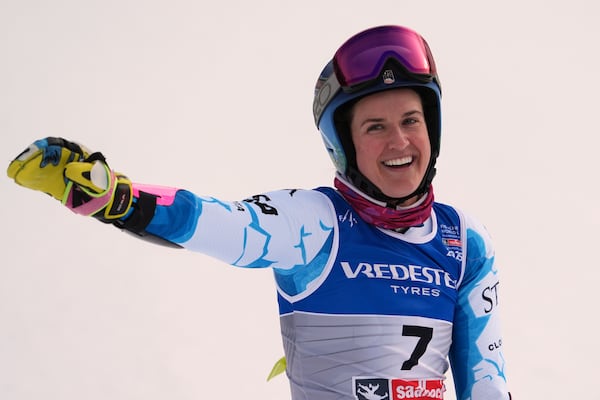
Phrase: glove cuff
x=112 y=204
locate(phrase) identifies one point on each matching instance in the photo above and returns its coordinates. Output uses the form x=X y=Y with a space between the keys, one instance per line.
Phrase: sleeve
x=476 y=354
x=279 y=229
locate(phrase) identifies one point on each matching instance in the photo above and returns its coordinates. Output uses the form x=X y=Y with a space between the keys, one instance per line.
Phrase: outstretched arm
x=283 y=229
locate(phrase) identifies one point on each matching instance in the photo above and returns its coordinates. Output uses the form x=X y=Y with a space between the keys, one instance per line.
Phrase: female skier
x=380 y=288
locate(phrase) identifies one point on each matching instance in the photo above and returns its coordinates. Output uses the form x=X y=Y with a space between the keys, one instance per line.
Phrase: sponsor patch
x=421 y=389
x=452 y=242
x=397 y=389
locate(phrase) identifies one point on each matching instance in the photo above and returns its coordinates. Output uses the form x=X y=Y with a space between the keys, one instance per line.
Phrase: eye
x=375 y=127
x=410 y=121
x=413 y=118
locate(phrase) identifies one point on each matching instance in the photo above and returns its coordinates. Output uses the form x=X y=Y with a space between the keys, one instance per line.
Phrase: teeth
x=396 y=162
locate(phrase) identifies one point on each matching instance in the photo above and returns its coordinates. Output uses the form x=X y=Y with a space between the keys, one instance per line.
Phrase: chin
x=398 y=194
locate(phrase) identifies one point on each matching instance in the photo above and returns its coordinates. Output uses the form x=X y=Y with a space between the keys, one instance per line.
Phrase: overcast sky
x=216 y=97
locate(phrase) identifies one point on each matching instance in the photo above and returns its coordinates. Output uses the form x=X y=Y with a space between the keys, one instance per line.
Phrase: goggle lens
x=363 y=56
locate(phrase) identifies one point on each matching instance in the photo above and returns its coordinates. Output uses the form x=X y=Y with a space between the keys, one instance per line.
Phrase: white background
x=216 y=97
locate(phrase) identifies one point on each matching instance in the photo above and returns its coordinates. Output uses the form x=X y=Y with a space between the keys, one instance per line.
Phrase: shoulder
x=294 y=197
x=478 y=238
x=478 y=250
x=293 y=204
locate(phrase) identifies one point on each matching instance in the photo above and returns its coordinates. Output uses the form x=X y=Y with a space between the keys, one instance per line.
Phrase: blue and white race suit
x=366 y=313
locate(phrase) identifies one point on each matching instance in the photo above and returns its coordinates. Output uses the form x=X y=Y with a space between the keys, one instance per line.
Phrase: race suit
x=365 y=313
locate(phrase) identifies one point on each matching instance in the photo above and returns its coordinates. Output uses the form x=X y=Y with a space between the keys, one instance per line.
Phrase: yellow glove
x=68 y=172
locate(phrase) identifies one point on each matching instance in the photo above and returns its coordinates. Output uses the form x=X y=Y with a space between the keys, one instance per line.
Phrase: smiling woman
x=380 y=288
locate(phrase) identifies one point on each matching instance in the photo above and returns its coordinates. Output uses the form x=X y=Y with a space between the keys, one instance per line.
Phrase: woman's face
x=391 y=141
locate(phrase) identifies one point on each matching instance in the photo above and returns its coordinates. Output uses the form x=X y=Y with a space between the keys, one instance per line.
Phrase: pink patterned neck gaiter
x=386 y=217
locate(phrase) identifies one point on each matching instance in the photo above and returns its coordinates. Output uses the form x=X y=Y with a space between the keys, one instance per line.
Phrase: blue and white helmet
x=377 y=59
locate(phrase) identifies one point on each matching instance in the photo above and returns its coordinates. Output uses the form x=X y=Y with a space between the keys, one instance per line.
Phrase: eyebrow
x=376 y=119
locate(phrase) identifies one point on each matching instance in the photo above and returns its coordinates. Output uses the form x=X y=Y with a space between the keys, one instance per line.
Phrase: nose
x=398 y=139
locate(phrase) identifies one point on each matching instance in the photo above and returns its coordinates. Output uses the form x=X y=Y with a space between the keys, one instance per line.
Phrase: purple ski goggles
x=361 y=58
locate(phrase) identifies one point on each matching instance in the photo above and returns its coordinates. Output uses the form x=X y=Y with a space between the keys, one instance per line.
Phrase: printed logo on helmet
x=388 y=77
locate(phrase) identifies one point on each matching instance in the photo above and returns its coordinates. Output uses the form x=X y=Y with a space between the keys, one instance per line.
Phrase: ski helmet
x=374 y=60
